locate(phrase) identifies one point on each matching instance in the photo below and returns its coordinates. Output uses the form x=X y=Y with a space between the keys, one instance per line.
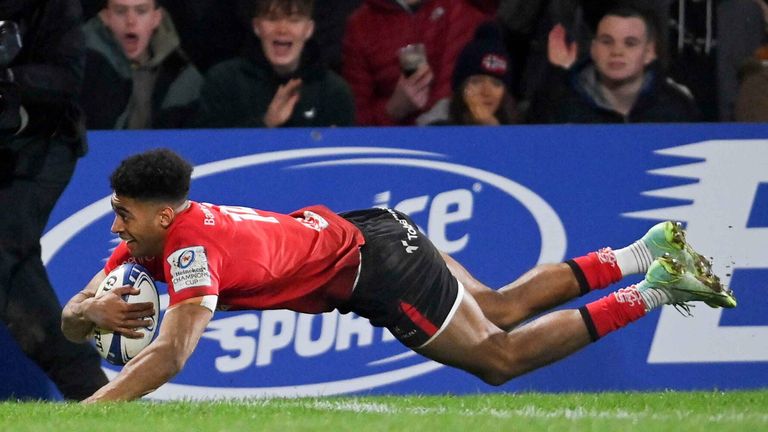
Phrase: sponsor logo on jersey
x=411 y=233
x=209 y=217
x=186 y=259
x=189 y=268
x=313 y=220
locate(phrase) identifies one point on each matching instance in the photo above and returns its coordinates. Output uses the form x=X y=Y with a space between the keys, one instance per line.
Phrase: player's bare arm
x=84 y=311
x=182 y=326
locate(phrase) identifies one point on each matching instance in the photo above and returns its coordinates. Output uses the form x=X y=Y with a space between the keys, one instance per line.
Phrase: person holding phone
x=385 y=93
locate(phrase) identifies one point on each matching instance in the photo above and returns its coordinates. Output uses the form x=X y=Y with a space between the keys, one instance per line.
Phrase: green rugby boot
x=669 y=275
x=669 y=238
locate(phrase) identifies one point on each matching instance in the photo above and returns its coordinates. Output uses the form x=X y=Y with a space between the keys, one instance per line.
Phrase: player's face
x=484 y=90
x=132 y=22
x=140 y=224
x=283 y=37
x=621 y=49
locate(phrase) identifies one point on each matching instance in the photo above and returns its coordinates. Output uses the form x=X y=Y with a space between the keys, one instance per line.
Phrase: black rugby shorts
x=404 y=283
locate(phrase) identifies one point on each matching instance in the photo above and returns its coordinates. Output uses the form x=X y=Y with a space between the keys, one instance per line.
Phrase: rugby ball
x=114 y=347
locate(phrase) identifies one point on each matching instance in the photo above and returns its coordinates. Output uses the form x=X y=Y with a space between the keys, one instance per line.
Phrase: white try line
x=528 y=411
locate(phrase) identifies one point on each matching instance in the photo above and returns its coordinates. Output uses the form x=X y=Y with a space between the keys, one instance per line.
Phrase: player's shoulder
x=191 y=226
x=317 y=208
x=197 y=214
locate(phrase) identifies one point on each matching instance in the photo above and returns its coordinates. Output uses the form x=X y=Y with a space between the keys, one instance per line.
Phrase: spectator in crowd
x=384 y=94
x=41 y=136
x=526 y=24
x=752 y=100
x=281 y=83
x=742 y=27
x=481 y=80
x=620 y=82
x=212 y=31
x=137 y=75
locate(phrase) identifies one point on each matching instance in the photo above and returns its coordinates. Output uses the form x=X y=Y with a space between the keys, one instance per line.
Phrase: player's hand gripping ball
x=114 y=347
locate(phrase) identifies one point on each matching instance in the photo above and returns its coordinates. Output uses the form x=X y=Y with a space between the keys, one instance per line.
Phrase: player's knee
x=500 y=365
x=497 y=374
x=494 y=378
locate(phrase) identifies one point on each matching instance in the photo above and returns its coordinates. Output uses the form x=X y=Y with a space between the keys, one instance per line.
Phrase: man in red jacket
x=383 y=94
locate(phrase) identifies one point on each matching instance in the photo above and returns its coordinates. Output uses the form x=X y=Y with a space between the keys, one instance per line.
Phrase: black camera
x=10 y=42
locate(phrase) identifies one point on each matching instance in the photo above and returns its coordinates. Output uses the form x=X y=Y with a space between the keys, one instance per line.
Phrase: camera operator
x=42 y=52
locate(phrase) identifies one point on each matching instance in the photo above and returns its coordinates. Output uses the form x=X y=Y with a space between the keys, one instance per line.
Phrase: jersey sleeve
x=121 y=255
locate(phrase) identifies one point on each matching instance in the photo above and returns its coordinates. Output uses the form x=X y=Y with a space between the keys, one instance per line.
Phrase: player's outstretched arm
x=180 y=332
x=83 y=312
x=74 y=323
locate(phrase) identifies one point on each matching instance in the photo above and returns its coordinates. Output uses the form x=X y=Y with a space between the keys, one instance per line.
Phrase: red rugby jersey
x=252 y=259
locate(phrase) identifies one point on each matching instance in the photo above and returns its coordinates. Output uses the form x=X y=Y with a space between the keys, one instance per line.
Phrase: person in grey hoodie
x=136 y=75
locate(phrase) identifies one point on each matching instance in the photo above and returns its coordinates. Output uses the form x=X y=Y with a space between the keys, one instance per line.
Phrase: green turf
x=646 y=412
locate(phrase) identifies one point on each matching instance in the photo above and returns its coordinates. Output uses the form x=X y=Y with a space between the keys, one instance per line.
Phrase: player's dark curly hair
x=155 y=175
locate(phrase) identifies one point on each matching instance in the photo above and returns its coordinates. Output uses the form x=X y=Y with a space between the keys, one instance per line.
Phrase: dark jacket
x=108 y=73
x=573 y=96
x=237 y=92
x=49 y=67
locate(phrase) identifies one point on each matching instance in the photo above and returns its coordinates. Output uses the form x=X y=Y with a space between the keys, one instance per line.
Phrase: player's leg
x=539 y=289
x=469 y=341
x=549 y=285
x=472 y=343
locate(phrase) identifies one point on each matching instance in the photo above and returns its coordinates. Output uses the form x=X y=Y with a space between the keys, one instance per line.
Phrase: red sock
x=597 y=270
x=613 y=312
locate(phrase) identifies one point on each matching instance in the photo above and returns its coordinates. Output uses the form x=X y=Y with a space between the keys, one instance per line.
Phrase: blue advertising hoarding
x=500 y=200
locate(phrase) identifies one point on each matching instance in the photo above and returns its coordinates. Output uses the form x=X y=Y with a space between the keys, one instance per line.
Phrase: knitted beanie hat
x=485 y=54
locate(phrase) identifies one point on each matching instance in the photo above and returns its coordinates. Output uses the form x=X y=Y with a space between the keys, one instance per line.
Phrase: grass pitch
x=647 y=412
